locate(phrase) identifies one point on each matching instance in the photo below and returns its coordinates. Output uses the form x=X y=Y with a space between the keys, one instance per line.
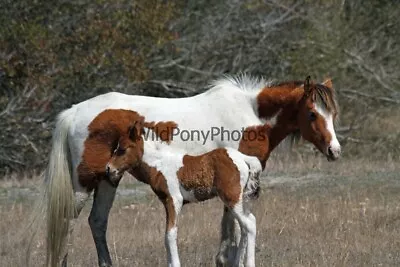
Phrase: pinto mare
x=178 y=178
x=82 y=144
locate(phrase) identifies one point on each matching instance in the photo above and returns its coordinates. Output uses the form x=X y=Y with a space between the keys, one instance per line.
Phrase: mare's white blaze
x=335 y=145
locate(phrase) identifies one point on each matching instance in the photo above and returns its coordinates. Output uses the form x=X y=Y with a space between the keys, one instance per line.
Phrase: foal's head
x=128 y=153
x=316 y=113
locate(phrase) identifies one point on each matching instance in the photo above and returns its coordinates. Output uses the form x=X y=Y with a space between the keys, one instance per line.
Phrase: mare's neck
x=278 y=106
x=272 y=100
x=280 y=101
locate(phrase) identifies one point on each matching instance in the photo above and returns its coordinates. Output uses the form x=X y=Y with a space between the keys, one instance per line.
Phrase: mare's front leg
x=172 y=209
x=103 y=200
x=230 y=239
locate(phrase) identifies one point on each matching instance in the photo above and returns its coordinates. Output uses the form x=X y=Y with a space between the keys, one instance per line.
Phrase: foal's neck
x=157 y=154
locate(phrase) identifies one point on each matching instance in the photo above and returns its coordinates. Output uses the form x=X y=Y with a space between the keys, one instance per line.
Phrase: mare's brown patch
x=104 y=132
x=210 y=174
x=255 y=142
x=163 y=129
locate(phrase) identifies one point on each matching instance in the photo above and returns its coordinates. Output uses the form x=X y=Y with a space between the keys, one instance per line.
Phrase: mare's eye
x=312 y=116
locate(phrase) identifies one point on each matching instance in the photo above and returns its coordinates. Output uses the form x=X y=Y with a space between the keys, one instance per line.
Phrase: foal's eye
x=119 y=151
x=312 y=116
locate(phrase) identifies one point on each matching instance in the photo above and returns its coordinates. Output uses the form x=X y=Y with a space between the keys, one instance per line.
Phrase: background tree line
x=56 y=53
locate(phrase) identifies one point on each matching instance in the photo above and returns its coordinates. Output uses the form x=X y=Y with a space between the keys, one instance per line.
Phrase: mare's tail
x=57 y=202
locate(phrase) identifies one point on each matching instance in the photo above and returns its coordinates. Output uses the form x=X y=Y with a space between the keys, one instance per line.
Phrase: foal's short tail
x=252 y=188
x=58 y=197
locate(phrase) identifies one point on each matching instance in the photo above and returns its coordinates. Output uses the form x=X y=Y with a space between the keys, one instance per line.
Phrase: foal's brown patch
x=163 y=129
x=104 y=132
x=210 y=174
x=255 y=142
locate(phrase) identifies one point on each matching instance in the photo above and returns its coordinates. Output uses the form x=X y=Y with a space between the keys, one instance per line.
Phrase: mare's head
x=317 y=112
x=128 y=153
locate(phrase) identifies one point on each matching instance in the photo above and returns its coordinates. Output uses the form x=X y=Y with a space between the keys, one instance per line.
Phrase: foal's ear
x=135 y=130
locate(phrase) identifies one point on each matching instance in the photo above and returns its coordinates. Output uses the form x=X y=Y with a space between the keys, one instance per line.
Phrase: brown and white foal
x=178 y=178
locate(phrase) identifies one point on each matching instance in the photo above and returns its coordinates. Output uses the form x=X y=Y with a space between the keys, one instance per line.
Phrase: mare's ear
x=307 y=86
x=135 y=130
x=328 y=83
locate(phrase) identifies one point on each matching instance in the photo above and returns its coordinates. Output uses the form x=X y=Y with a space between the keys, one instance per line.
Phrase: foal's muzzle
x=112 y=173
x=108 y=171
x=112 y=176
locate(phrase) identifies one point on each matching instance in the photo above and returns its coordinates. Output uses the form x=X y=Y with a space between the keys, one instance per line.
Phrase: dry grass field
x=315 y=214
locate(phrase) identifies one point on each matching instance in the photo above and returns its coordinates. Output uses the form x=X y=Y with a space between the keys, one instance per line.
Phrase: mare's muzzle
x=333 y=153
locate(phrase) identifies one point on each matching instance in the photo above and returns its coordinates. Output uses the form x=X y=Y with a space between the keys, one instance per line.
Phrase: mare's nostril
x=107 y=171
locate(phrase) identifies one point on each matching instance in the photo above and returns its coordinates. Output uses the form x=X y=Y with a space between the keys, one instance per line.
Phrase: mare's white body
x=230 y=103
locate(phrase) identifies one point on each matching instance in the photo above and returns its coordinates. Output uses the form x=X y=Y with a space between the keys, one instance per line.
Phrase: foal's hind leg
x=247 y=223
x=103 y=199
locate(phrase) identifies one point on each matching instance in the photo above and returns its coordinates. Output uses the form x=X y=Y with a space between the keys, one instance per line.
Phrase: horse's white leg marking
x=172 y=211
x=247 y=223
x=103 y=199
x=251 y=241
x=172 y=247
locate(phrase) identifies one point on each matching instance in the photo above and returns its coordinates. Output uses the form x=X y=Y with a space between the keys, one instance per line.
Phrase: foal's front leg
x=172 y=209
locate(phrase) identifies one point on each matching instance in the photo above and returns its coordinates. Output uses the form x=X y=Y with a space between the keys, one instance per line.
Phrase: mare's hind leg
x=102 y=202
x=230 y=238
x=80 y=201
